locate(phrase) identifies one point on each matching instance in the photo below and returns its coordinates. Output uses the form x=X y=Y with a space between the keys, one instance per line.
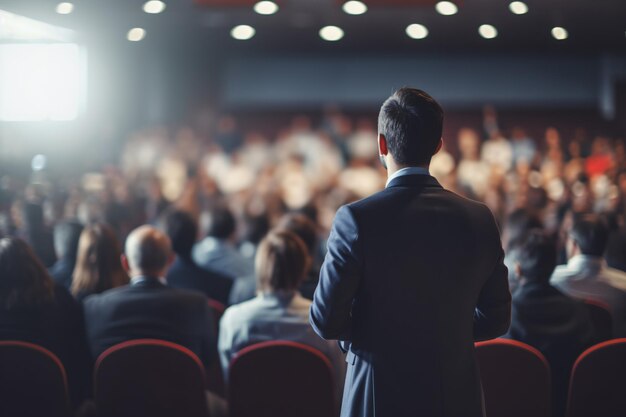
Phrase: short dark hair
x=517 y=225
x=66 y=236
x=412 y=122
x=182 y=230
x=536 y=255
x=590 y=234
x=302 y=226
x=221 y=222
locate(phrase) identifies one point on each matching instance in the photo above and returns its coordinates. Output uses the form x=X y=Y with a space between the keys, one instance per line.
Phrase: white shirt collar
x=407 y=171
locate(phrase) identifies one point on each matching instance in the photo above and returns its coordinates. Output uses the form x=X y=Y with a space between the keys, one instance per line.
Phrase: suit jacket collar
x=414 y=181
x=146 y=282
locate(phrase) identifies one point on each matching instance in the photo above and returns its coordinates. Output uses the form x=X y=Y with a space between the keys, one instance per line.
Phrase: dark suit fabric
x=62 y=271
x=185 y=274
x=558 y=326
x=149 y=309
x=59 y=327
x=413 y=276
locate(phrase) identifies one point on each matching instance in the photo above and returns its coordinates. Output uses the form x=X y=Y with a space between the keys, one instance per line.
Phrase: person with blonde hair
x=279 y=312
x=98 y=266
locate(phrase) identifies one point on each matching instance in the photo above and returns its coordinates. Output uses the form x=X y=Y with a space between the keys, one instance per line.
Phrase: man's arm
x=340 y=275
x=492 y=315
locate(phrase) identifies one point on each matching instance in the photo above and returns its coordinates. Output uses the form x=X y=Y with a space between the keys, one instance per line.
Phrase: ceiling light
x=64 y=8
x=266 y=7
x=559 y=33
x=136 y=34
x=331 y=33
x=488 y=31
x=242 y=32
x=518 y=7
x=153 y=6
x=446 y=8
x=354 y=7
x=416 y=31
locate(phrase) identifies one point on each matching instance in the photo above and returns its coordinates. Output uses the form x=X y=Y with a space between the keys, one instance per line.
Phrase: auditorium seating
x=598 y=382
x=32 y=382
x=284 y=379
x=601 y=317
x=148 y=377
x=515 y=378
x=214 y=373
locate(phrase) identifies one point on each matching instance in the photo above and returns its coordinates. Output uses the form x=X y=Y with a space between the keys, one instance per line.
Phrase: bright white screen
x=40 y=81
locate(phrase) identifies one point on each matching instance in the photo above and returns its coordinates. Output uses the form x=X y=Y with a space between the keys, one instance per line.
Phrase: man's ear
x=439 y=146
x=124 y=261
x=382 y=145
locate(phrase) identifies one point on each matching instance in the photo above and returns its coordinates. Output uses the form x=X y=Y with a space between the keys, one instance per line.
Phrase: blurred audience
x=98 y=266
x=182 y=230
x=66 y=237
x=34 y=309
x=545 y=318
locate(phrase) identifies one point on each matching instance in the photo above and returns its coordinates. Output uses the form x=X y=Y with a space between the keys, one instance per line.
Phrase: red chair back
x=600 y=315
x=598 y=383
x=515 y=379
x=280 y=379
x=148 y=377
x=32 y=382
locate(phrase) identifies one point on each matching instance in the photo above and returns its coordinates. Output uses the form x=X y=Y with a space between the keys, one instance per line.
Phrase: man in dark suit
x=182 y=230
x=413 y=275
x=147 y=308
x=542 y=316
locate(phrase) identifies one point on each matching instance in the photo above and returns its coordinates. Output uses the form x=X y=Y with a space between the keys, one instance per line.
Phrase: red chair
x=148 y=377
x=214 y=373
x=598 y=384
x=32 y=382
x=600 y=315
x=280 y=379
x=515 y=379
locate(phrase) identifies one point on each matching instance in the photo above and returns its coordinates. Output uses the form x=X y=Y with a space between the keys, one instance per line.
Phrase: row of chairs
x=157 y=378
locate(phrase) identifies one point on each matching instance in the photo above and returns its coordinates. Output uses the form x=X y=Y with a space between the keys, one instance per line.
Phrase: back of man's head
x=590 y=234
x=221 y=223
x=148 y=251
x=518 y=224
x=182 y=230
x=66 y=236
x=536 y=256
x=412 y=123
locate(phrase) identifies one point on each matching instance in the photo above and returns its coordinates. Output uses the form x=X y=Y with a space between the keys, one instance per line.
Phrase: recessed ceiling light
x=354 y=7
x=518 y=7
x=153 y=6
x=136 y=34
x=488 y=31
x=416 y=31
x=64 y=8
x=266 y=7
x=242 y=32
x=446 y=8
x=331 y=33
x=559 y=33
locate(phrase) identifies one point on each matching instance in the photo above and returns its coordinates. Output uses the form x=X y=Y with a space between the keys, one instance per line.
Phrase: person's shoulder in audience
x=187 y=275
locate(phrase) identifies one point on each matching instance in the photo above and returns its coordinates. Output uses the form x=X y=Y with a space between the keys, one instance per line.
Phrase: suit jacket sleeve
x=340 y=275
x=492 y=315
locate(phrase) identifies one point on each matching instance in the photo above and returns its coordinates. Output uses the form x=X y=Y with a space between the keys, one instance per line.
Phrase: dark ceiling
x=592 y=24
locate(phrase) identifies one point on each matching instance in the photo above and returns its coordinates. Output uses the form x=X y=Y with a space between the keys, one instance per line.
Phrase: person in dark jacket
x=34 y=309
x=66 y=236
x=545 y=318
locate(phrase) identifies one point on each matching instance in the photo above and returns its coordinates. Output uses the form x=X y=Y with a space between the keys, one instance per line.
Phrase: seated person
x=98 y=266
x=66 y=235
x=147 y=308
x=278 y=312
x=543 y=317
x=182 y=230
x=34 y=309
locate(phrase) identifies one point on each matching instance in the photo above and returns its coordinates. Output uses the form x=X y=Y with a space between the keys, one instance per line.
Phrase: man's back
x=148 y=309
x=405 y=270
